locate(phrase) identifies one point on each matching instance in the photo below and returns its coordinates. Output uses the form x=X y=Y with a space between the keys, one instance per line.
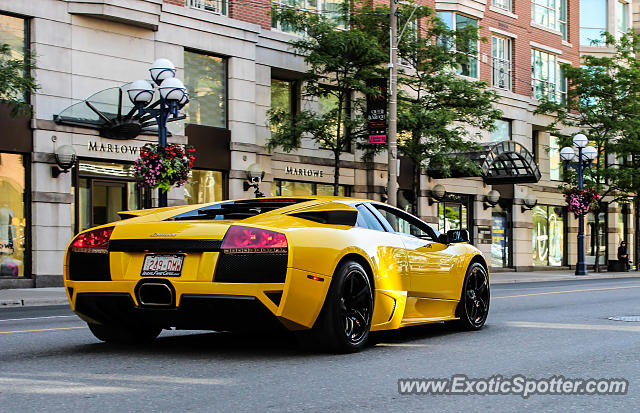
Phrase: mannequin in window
x=7 y=232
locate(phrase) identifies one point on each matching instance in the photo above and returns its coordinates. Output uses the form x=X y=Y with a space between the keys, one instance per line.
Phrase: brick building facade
x=236 y=65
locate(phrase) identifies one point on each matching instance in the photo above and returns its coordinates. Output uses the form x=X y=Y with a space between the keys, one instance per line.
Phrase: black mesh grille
x=89 y=267
x=251 y=268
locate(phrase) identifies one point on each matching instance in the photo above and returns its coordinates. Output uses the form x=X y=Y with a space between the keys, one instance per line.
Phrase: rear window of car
x=236 y=210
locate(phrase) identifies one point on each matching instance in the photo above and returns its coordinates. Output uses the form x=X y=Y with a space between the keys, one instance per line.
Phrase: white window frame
x=307 y=6
x=501 y=66
x=453 y=42
x=212 y=6
x=601 y=29
x=619 y=19
x=552 y=13
x=556 y=88
x=502 y=4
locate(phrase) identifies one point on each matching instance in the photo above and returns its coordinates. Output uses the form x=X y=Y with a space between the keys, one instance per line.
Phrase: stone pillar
x=482 y=227
x=51 y=210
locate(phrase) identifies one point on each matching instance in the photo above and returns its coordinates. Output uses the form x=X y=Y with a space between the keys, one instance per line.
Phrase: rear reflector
x=93 y=242
x=251 y=240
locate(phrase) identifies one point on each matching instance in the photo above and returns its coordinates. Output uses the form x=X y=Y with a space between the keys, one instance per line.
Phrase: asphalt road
x=50 y=362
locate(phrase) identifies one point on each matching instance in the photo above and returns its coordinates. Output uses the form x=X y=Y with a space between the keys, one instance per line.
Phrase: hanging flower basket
x=581 y=201
x=163 y=168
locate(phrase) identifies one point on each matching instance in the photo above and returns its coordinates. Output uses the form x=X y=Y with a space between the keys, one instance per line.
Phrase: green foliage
x=602 y=102
x=436 y=106
x=434 y=102
x=16 y=81
x=339 y=64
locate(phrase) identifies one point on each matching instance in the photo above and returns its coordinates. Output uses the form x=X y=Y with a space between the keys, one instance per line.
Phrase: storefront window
x=596 y=239
x=206 y=79
x=548 y=235
x=623 y=230
x=453 y=213
x=13 y=222
x=203 y=187
x=280 y=187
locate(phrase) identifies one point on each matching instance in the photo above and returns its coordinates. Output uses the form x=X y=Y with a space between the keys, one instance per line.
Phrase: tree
x=16 y=81
x=436 y=106
x=339 y=64
x=602 y=102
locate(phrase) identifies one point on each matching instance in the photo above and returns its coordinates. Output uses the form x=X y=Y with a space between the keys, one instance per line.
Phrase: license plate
x=162 y=265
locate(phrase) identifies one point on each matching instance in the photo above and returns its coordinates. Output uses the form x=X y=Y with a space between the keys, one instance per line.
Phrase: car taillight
x=248 y=240
x=94 y=242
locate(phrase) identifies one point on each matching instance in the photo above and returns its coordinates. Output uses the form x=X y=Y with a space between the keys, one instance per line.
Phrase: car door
x=429 y=261
x=391 y=257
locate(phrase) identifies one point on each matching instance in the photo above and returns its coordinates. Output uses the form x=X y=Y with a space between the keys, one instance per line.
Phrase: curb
x=562 y=278
x=33 y=302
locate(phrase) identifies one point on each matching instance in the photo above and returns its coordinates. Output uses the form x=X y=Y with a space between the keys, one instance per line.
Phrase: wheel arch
x=362 y=261
x=479 y=259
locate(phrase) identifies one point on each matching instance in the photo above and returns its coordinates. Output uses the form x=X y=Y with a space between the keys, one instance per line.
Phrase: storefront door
x=104 y=189
x=107 y=198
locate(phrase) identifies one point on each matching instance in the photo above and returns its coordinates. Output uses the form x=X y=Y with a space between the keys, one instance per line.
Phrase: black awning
x=506 y=162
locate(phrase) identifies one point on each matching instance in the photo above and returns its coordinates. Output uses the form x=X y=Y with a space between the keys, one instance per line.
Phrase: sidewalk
x=28 y=297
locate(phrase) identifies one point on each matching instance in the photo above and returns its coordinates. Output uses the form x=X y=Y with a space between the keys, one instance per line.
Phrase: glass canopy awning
x=111 y=112
x=506 y=162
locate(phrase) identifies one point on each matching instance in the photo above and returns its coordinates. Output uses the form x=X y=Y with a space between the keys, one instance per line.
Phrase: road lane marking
x=567 y=291
x=400 y=345
x=566 y=326
x=38 y=318
x=41 y=329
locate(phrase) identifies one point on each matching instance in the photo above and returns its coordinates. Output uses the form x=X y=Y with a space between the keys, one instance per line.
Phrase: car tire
x=345 y=319
x=473 y=308
x=124 y=335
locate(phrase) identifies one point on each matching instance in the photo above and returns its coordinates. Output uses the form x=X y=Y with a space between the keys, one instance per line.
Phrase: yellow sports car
x=330 y=269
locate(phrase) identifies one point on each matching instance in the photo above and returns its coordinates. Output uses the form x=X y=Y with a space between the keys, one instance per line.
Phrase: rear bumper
x=294 y=304
x=197 y=312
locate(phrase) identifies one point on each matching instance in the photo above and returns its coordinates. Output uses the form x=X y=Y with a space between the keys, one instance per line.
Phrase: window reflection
x=206 y=79
x=548 y=235
x=203 y=186
x=13 y=223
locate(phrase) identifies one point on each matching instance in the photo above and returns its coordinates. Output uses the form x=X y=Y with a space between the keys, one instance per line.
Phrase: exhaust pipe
x=156 y=294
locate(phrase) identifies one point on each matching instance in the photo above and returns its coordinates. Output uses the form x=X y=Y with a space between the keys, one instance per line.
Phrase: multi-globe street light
x=585 y=155
x=173 y=97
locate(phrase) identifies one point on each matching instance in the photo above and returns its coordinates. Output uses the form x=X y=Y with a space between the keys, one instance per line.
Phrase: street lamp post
x=585 y=155
x=173 y=97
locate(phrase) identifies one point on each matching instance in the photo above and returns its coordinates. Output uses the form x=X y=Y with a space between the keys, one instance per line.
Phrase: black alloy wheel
x=345 y=320
x=473 y=307
x=356 y=306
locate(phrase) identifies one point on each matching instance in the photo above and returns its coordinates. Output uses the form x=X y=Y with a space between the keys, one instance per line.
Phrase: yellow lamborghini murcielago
x=330 y=269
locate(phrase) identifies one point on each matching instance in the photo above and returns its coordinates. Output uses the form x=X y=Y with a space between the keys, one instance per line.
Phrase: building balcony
x=141 y=13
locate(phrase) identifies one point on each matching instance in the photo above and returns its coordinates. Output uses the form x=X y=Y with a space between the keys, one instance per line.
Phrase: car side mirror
x=455 y=236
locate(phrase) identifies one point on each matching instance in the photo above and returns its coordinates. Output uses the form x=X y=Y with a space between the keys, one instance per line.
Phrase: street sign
x=377 y=111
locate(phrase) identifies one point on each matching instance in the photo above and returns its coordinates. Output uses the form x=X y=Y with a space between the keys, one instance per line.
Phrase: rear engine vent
x=89 y=267
x=252 y=268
